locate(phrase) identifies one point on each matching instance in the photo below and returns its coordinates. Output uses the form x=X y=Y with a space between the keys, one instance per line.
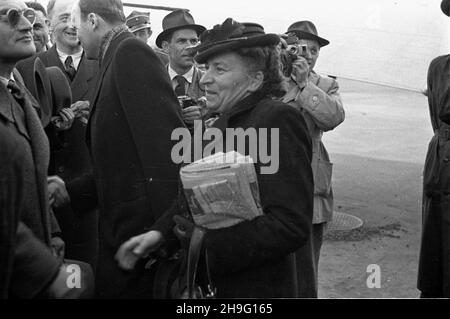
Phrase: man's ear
x=93 y=20
x=257 y=80
x=165 y=46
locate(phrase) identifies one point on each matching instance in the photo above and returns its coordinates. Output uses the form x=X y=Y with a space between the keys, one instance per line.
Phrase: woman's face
x=227 y=81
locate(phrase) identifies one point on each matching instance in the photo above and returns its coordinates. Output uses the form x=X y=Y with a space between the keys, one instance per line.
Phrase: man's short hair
x=110 y=10
x=37 y=7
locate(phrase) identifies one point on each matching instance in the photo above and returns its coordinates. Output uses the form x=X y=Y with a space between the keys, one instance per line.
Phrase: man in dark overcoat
x=434 y=263
x=69 y=156
x=133 y=114
x=28 y=267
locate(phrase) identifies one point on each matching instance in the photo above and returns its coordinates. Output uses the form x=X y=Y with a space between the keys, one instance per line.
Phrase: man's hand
x=192 y=113
x=58 y=195
x=58 y=247
x=81 y=110
x=138 y=247
x=300 y=71
x=64 y=121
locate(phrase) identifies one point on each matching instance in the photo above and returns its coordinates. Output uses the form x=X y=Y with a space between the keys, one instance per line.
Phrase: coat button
x=149 y=179
x=446 y=160
x=60 y=169
x=315 y=99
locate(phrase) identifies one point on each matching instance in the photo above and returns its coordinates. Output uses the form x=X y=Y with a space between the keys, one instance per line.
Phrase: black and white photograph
x=251 y=151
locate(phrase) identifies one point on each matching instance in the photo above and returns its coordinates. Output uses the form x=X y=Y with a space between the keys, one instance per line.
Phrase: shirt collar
x=188 y=75
x=76 y=57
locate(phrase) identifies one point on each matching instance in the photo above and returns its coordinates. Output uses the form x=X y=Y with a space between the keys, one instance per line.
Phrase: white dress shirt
x=76 y=58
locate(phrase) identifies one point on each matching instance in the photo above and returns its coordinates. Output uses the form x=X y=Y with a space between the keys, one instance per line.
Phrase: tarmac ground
x=378 y=154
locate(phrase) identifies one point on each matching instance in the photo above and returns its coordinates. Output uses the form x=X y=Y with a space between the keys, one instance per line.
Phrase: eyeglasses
x=14 y=16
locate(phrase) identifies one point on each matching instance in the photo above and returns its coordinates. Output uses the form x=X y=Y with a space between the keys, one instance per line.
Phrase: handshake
x=66 y=117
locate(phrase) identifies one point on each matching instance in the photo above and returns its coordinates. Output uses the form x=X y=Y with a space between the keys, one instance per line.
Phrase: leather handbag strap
x=193 y=257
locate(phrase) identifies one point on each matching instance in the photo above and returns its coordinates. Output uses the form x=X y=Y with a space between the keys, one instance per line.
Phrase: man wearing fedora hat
x=69 y=157
x=139 y=25
x=434 y=262
x=318 y=99
x=179 y=33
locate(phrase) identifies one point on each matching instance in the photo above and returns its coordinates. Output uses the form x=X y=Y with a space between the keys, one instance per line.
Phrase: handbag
x=176 y=276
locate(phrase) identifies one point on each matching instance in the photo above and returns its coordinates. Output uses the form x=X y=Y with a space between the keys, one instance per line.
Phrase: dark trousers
x=307 y=263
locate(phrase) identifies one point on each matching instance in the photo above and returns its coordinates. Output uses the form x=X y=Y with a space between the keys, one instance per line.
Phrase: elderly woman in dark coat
x=253 y=258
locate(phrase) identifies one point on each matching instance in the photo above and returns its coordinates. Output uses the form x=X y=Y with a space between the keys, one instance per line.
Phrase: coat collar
x=246 y=105
x=108 y=57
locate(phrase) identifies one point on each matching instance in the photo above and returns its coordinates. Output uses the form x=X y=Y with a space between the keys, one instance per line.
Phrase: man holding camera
x=179 y=33
x=318 y=99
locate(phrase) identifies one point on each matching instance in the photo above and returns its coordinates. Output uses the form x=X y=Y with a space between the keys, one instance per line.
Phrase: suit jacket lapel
x=54 y=60
x=80 y=84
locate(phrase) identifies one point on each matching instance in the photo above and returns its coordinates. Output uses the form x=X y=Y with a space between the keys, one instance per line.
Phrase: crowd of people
x=92 y=205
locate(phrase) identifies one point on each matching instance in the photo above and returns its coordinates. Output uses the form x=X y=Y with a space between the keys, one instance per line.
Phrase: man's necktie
x=70 y=69
x=16 y=91
x=180 y=89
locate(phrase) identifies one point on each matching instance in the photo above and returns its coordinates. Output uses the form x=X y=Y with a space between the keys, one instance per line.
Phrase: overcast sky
x=373 y=40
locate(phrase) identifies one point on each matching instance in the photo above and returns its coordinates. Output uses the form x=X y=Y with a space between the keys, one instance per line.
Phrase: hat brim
x=306 y=35
x=445 y=7
x=143 y=26
x=60 y=88
x=42 y=91
x=206 y=51
x=162 y=36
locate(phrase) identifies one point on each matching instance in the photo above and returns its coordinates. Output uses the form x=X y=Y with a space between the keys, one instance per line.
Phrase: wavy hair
x=267 y=60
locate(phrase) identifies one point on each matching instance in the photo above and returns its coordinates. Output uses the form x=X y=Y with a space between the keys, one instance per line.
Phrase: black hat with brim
x=309 y=36
x=52 y=90
x=445 y=7
x=232 y=36
x=178 y=20
x=165 y=34
x=41 y=90
x=307 y=30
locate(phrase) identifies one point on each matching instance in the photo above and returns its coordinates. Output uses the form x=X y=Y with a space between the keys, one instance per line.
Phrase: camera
x=186 y=101
x=289 y=54
x=296 y=50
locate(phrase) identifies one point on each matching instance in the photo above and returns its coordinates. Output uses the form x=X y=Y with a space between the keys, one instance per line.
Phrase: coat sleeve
x=26 y=264
x=321 y=99
x=34 y=268
x=287 y=199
